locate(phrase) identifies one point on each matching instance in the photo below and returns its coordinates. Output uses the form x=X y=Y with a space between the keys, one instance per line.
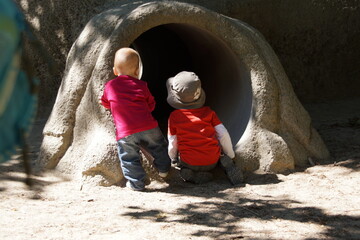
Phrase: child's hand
x=175 y=163
x=99 y=101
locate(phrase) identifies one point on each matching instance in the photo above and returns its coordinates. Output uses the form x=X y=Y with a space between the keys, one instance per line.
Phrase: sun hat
x=184 y=91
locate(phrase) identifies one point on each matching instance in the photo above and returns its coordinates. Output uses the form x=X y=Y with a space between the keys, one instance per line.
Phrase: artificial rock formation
x=243 y=79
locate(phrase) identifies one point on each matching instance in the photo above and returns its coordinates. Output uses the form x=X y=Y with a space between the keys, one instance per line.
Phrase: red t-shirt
x=131 y=104
x=196 y=135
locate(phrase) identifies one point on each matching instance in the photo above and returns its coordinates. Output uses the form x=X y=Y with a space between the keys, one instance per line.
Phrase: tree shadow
x=13 y=172
x=222 y=207
x=14 y=169
x=262 y=178
x=222 y=213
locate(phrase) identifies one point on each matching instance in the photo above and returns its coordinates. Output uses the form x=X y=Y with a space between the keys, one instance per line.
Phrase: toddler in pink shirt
x=131 y=105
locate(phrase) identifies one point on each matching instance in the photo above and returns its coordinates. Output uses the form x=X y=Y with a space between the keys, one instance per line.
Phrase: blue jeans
x=130 y=159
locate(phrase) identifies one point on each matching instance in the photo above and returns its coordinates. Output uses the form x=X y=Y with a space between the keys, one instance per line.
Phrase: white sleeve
x=225 y=140
x=173 y=146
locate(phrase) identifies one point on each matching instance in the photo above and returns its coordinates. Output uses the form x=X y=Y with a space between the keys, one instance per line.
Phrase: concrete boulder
x=241 y=75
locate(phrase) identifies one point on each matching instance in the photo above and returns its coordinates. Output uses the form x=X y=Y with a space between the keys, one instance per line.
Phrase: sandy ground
x=319 y=202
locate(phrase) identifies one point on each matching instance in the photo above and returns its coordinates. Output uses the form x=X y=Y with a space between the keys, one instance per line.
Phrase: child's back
x=131 y=104
x=195 y=133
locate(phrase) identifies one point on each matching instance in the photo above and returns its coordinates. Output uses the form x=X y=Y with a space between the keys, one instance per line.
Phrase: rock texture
x=79 y=135
x=315 y=40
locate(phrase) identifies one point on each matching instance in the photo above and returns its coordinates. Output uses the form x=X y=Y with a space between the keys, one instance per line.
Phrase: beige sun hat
x=184 y=91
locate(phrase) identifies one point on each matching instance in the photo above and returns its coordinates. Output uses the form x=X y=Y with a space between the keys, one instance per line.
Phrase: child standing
x=131 y=104
x=196 y=136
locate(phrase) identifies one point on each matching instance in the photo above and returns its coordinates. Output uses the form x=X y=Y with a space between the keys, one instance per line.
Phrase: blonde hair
x=126 y=61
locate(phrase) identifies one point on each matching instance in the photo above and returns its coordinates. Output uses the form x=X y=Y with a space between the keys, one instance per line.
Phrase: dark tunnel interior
x=168 y=49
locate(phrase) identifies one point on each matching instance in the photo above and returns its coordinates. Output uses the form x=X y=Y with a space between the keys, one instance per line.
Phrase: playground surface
x=321 y=201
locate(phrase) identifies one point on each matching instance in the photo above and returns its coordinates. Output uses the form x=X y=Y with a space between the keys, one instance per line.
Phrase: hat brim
x=176 y=103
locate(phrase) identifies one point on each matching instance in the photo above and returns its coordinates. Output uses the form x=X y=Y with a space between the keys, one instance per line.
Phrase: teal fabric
x=18 y=101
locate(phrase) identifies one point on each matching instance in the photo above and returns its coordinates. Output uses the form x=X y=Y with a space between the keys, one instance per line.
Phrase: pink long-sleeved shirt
x=131 y=104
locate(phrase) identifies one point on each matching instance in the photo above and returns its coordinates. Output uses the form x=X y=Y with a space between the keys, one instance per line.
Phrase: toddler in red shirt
x=131 y=104
x=197 y=138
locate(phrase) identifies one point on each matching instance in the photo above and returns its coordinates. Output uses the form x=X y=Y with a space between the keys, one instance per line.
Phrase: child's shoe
x=163 y=174
x=195 y=177
x=130 y=186
x=187 y=174
x=232 y=171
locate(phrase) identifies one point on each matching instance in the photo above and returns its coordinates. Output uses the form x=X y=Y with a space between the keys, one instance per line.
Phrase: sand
x=321 y=201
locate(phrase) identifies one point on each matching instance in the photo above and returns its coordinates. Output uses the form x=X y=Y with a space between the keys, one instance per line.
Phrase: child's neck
x=131 y=75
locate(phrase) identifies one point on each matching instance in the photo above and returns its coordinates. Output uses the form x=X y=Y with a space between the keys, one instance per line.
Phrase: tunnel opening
x=243 y=79
x=170 y=48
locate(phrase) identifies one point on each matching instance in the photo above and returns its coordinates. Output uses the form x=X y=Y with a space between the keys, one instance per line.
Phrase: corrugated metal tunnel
x=168 y=49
